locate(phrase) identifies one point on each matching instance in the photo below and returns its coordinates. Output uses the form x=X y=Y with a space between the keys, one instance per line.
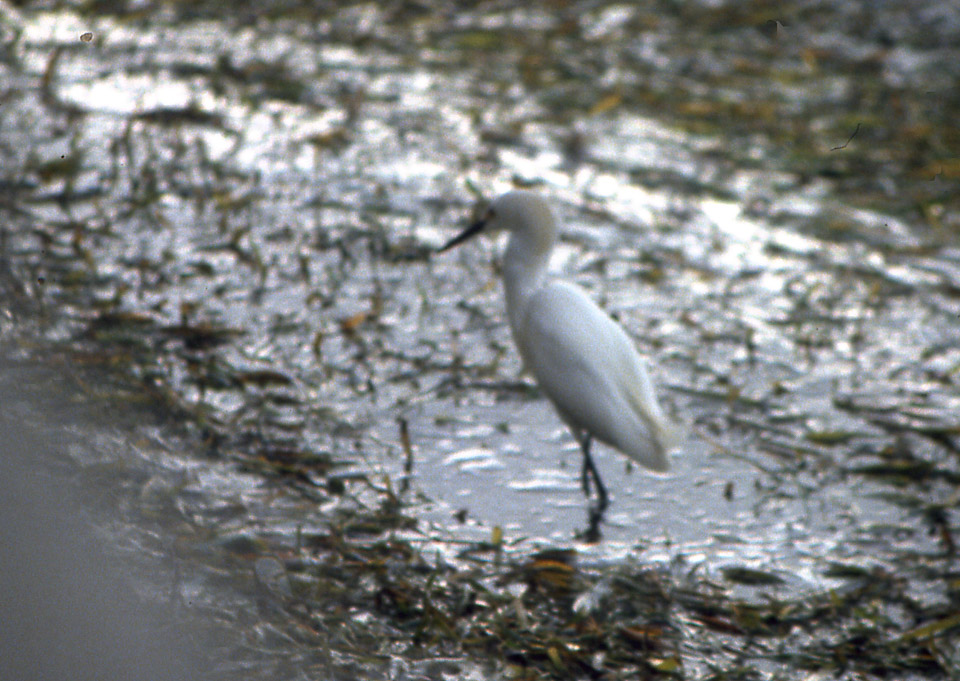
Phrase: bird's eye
x=490 y=215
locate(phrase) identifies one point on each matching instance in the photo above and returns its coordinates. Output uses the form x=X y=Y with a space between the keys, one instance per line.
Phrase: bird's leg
x=584 y=441
x=595 y=511
x=589 y=469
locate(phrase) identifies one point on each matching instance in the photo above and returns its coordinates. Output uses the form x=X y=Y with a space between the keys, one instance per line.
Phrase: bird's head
x=524 y=214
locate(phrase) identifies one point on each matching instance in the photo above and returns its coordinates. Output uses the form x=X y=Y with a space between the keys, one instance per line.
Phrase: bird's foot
x=592 y=533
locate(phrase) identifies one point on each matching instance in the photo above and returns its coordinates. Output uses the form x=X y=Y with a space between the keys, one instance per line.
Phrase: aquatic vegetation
x=227 y=226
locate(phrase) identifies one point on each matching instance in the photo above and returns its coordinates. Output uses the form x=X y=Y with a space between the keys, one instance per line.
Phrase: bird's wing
x=588 y=367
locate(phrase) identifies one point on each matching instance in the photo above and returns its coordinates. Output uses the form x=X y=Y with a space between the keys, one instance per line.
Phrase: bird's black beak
x=468 y=233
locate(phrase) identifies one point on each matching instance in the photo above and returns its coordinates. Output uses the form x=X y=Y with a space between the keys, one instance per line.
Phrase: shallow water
x=242 y=219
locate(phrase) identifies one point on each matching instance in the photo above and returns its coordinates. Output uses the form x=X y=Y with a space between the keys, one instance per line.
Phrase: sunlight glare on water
x=239 y=217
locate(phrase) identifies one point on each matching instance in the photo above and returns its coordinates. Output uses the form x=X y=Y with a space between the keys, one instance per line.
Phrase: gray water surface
x=240 y=219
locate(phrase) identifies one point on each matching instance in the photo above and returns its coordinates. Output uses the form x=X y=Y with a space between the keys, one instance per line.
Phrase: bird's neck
x=524 y=271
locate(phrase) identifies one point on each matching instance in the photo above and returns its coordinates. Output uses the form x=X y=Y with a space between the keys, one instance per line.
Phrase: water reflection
x=725 y=301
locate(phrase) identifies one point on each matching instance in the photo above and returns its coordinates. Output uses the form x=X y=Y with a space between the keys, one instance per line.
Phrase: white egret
x=582 y=360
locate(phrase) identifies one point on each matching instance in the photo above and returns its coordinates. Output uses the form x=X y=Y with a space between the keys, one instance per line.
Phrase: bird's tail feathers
x=665 y=434
x=668 y=434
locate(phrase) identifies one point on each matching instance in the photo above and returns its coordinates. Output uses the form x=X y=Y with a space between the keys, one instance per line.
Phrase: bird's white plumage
x=581 y=358
x=588 y=367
